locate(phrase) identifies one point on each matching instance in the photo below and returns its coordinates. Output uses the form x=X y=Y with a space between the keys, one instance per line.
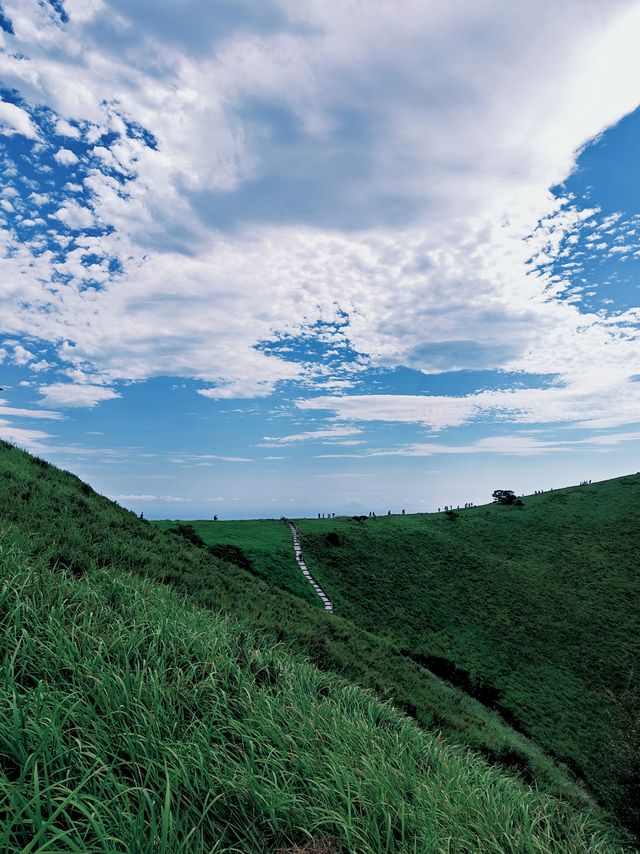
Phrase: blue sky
x=265 y=258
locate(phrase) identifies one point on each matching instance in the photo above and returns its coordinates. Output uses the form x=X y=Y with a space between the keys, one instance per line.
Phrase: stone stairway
x=328 y=605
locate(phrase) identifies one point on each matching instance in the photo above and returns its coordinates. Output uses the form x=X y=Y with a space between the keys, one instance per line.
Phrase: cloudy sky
x=264 y=256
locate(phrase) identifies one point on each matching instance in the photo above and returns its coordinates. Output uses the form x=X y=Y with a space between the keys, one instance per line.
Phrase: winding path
x=328 y=605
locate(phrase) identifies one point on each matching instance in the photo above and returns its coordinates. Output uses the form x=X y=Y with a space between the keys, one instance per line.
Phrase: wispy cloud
x=28 y=413
x=597 y=400
x=509 y=445
x=200 y=458
x=171 y=499
x=310 y=436
x=34 y=440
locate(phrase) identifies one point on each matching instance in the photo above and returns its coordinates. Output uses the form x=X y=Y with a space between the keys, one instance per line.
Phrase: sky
x=266 y=257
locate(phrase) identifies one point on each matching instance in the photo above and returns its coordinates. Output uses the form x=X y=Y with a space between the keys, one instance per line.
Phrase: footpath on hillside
x=328 y=605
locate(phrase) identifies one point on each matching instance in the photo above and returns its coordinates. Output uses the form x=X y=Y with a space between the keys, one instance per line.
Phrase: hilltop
x=533 y=609
x=156 y=697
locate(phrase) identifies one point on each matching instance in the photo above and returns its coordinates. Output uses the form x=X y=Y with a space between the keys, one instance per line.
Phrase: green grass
x=266 y=543
x=534 y=610
x=66 y=527
x=133 y=721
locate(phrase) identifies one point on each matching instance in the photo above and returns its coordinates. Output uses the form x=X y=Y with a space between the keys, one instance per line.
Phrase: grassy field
x=132 y=721
x=533 y=610
x=267 y=545
x=63 y=528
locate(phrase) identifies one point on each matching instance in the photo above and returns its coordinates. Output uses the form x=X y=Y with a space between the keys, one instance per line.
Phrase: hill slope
x=533 y=609
x=263 y=546
x=67 y=533
x=66 y=524
x=132 y=722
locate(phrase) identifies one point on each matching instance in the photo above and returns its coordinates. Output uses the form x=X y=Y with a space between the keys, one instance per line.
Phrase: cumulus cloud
x=66 y=157
x=326 y=164
x=19 y=355
x=74 y=215
x=71 y=395
x=64 y=128
x=14 y=119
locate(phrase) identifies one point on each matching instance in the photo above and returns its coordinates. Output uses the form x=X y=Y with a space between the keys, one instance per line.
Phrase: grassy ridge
x=69 y=528
x=534 y=609
x=132 y=722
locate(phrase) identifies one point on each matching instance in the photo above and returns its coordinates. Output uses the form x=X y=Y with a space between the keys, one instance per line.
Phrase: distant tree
x=504 y=496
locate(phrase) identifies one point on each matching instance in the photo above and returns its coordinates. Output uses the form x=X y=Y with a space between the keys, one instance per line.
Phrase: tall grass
x=534 y=610
x=69 y=527
x=64 y=530
x=132 y=721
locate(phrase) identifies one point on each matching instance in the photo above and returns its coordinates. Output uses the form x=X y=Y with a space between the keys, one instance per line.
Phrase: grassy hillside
x=132 y=721
x=534 y=610
x=266 y=545
x=70 y=527
x=67 y=528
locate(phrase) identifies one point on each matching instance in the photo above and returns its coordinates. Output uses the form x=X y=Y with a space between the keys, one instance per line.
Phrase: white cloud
x=28 y=413
x=249 y=388
x=75 y=215
x=66 y=157
x=21 y=356
x=33 y=440
x=176 y=499
x=341 y=475
x=511 y=445
x=209 y=457
x=41 y=365
x=594 y=402
x=142 y=497
x=69 y=394
x=484 y=108
x=14 y=119
x=64 y=128
x=311 y=435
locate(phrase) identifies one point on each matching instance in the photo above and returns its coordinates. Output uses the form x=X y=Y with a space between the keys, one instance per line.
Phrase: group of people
x=372 y=514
